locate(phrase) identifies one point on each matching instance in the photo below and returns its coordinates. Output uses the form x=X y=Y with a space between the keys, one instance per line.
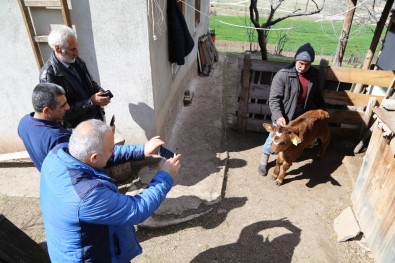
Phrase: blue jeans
x=266 y=145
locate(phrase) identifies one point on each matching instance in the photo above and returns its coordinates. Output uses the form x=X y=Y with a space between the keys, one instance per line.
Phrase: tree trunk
x=262 y=43
x=341 y=47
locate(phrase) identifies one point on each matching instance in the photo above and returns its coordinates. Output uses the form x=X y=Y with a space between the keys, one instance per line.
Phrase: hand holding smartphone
x=107 y=93
x=166 y=153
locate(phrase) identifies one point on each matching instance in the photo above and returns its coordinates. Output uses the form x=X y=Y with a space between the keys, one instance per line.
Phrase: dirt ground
x=256 y=221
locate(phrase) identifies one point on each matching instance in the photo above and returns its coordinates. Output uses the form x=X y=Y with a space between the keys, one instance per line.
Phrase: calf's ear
x=268 y=127
x=295 y=139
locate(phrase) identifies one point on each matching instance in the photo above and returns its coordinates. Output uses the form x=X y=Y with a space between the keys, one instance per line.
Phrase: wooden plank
x=373 y=197
x=30 y=31
x=41 y=3
x=261 y=109
x=65 y=13
x=262 y=65
x=345 y=116
x=381 y=78
x=349 y=98
x=259 y=91
x=388 y=117
x=41 y=39
x=368 y=117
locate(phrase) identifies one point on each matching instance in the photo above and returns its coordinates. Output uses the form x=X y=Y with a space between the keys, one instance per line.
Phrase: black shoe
x=262 y=170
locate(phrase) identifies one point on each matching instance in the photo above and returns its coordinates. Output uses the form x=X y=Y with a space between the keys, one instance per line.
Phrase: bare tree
x=271 y=20
x=341 y=47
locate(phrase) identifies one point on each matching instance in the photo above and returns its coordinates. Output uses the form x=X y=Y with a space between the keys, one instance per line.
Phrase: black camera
x=107 y=93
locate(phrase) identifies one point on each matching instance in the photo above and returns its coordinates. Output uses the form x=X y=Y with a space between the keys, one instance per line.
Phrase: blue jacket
x=86 y=219
x=40 y=136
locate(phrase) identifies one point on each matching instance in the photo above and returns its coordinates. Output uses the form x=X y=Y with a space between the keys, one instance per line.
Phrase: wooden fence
x=350 y=113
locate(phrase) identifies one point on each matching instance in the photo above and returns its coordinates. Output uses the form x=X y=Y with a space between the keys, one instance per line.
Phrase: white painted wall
x=115 y=40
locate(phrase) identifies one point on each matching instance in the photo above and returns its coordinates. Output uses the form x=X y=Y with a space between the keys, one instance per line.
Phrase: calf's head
x=282 y=138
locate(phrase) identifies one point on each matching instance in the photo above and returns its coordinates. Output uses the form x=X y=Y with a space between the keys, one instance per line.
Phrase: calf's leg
x=325 y=140
x=277 y=168
x=281 y=176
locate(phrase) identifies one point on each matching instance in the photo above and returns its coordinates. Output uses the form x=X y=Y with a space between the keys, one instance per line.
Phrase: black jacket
x=179 y=39
x=284 y=93
x=77 y=93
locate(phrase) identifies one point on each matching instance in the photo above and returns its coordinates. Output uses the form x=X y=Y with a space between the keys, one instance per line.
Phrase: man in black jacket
x=294 y=90
x=65 y=68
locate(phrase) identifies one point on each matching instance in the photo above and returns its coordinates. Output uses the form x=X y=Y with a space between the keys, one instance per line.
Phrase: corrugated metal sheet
x=374 y=194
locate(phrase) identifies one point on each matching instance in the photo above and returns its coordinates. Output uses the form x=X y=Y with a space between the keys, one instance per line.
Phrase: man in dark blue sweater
x=41 y=130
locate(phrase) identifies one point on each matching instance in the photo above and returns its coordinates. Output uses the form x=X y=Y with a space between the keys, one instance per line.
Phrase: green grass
x=323 y=36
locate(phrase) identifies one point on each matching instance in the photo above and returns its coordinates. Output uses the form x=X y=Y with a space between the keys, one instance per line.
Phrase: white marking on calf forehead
x=278 y=133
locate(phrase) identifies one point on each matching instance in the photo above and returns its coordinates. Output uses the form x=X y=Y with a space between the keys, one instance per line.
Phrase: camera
x=166 y=153
x=107 y=93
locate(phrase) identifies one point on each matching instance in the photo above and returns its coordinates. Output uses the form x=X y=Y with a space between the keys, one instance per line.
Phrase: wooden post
x=323 y=72
x=368 y=116
x=242 y=114
x=65 y=13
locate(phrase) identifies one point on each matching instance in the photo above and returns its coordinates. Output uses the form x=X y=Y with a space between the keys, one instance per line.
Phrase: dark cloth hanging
x=180 y=40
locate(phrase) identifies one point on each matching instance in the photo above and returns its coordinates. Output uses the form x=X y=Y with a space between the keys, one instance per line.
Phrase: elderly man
x=294 y=90
x=85 y=217
x=65 y=68
x=41 y=130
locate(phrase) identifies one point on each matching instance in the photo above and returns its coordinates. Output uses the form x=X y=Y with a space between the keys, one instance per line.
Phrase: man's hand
x=99 y=99
x=172 y=166
x=152 y=146
x=281 y=122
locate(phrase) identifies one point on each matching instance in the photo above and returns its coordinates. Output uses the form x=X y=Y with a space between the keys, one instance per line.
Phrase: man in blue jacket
x=42 y=129
x=86 y=218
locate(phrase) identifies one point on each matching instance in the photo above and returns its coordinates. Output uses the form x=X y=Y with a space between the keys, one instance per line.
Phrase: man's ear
x=58 y=49
x=46 y=112
x=93 y=158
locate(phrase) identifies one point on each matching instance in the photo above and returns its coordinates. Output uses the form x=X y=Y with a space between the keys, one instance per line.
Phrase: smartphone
x=107 y=93
x=112 y=121
x=166 y=153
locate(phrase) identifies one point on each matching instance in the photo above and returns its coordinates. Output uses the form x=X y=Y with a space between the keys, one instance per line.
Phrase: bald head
x=89 y=137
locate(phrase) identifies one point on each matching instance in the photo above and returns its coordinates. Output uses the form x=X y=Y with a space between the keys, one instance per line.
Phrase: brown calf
x=288 y=142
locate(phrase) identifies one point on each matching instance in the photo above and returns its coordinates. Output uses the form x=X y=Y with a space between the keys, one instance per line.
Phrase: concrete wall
x=115 y=39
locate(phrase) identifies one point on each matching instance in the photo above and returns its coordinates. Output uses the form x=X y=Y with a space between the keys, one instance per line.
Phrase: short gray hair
x=59 y=36
x=88 y=137
x=45 y=94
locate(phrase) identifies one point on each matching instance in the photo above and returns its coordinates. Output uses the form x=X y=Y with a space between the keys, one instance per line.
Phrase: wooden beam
x=349 y=98
x=381 y=78
x=29 y=26
x=345 y=116
x=65 y=13
x=41 y=3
